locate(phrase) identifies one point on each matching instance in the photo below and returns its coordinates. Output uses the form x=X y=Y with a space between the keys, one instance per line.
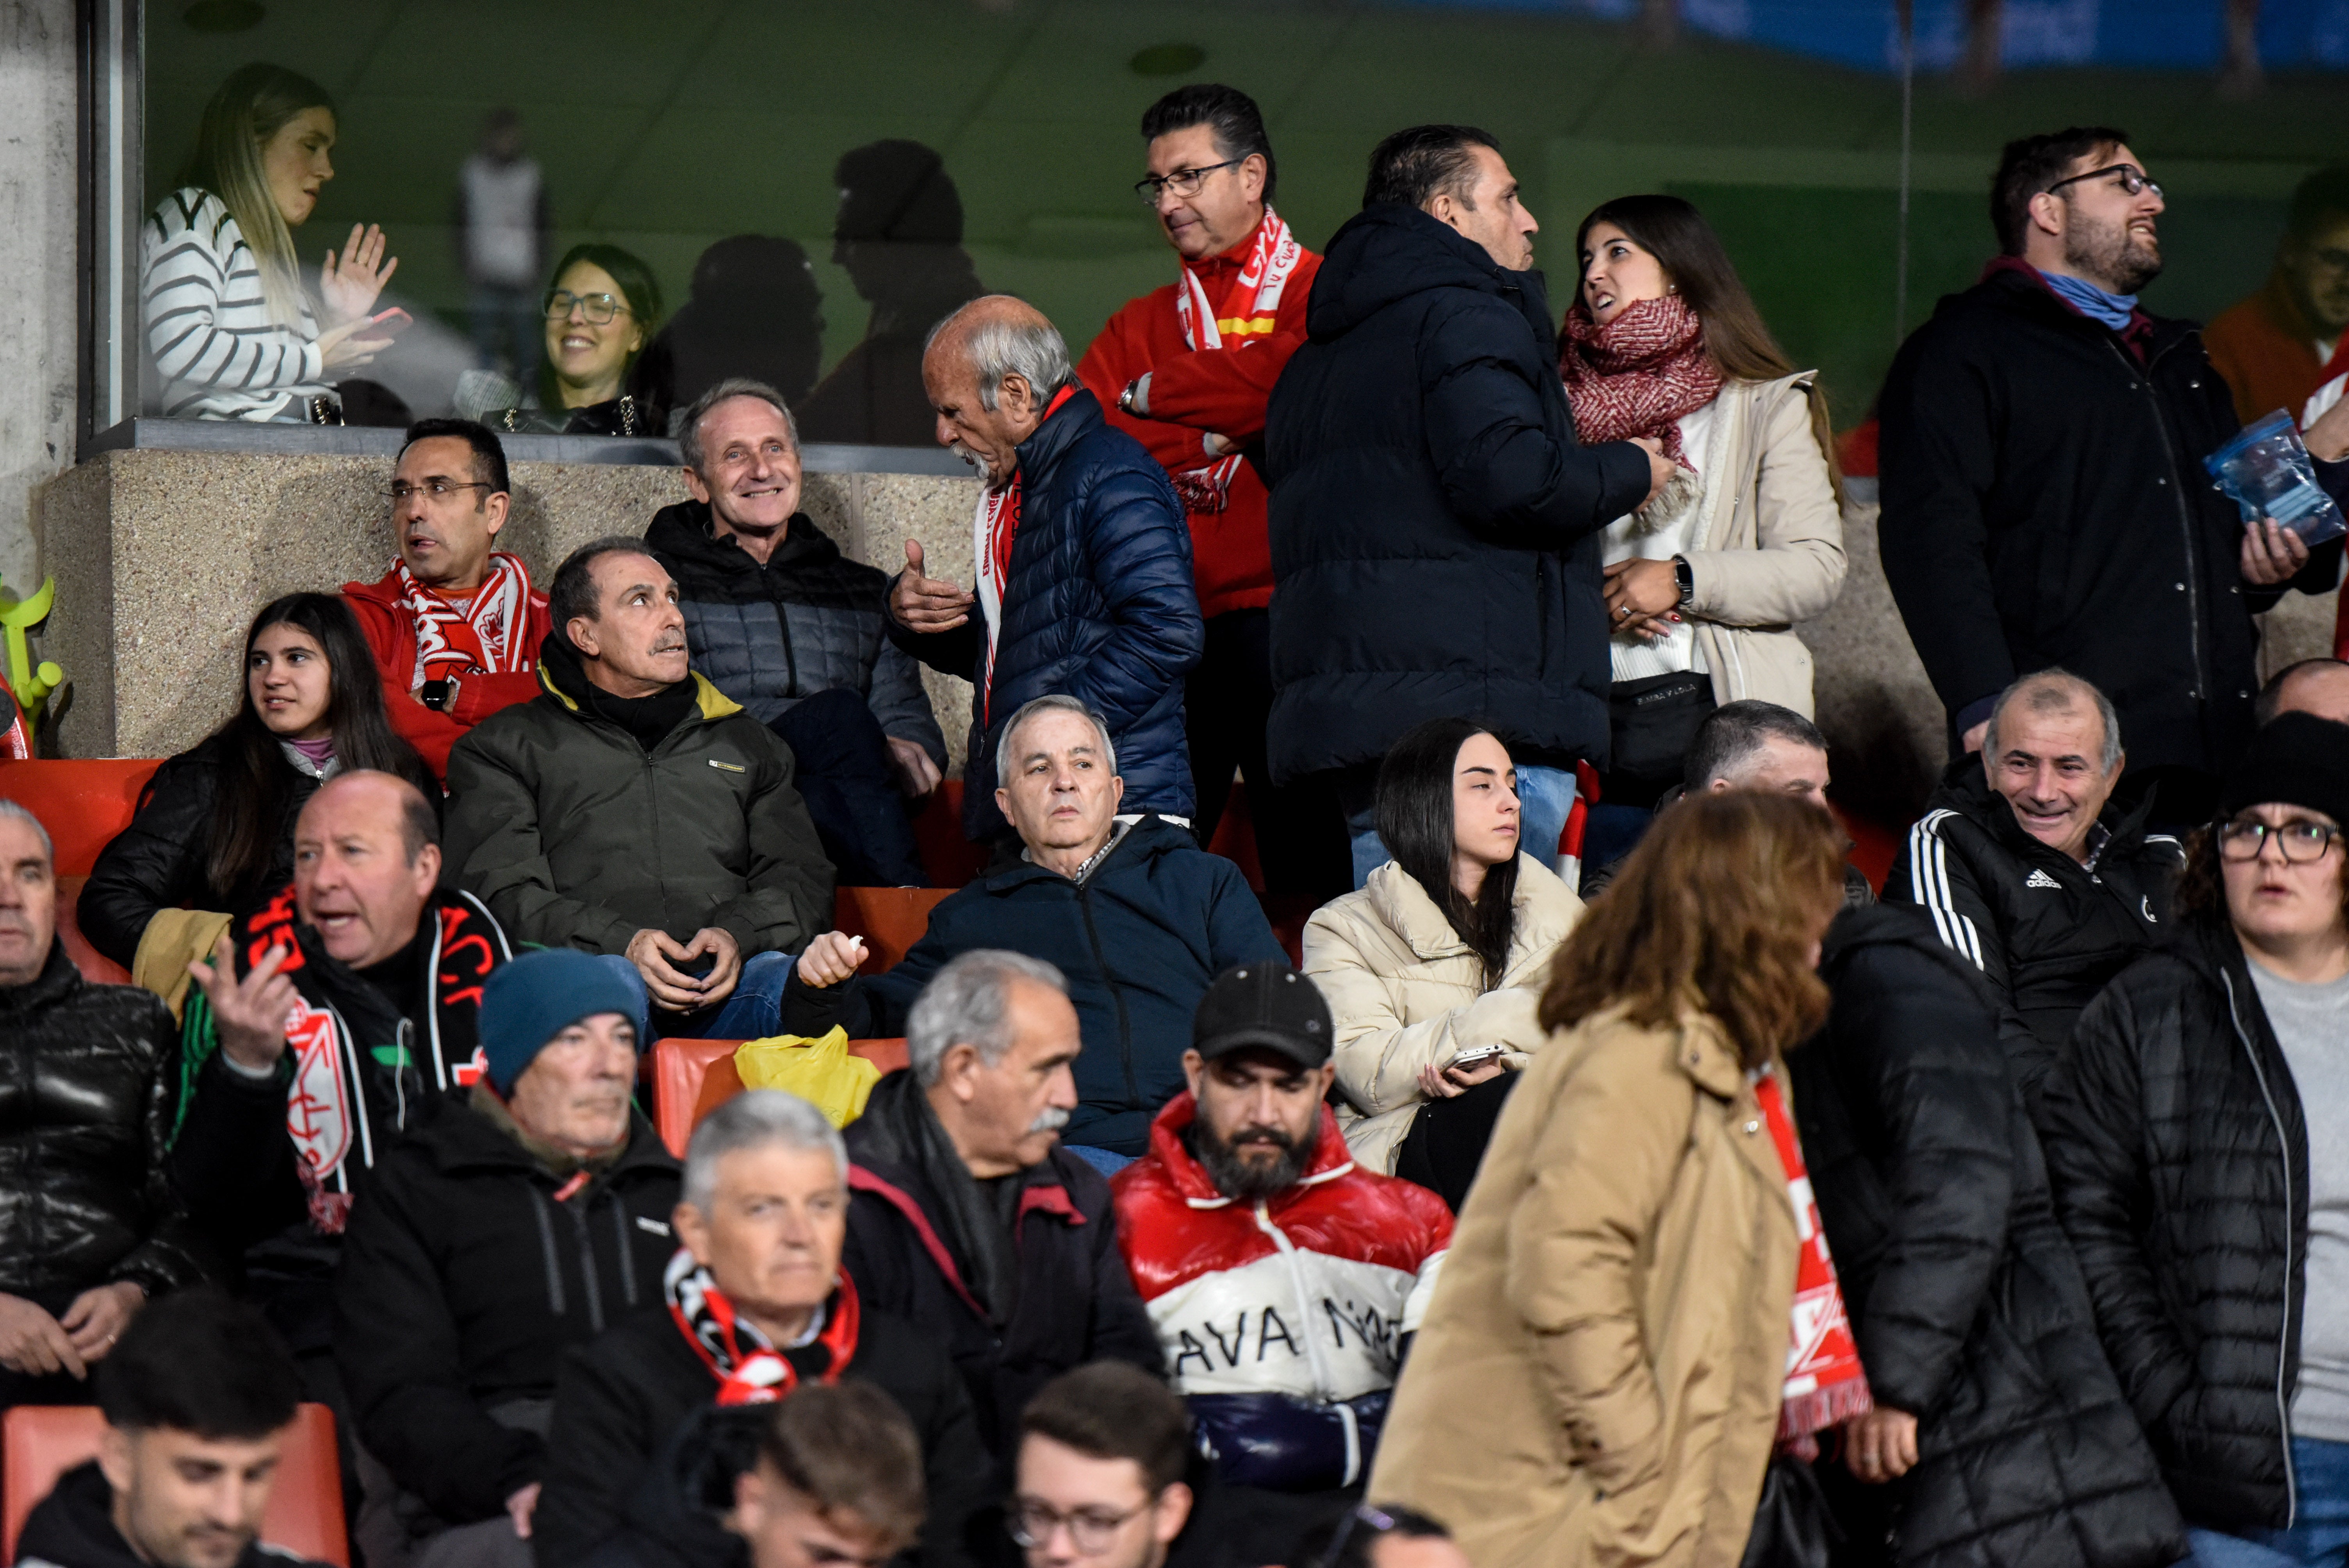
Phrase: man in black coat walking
x=2044 y=499
x=2003 y=1431
x=1434 y=524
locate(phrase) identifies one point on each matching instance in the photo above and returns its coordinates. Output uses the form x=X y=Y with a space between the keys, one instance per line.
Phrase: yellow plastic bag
x=819 y=1071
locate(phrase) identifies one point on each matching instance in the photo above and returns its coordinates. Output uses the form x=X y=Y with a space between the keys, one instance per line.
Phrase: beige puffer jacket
x=1406 y=993
x=1596 y=1381
x=1769 y=548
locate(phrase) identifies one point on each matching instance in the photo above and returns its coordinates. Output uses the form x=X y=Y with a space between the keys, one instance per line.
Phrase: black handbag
x=1793 y=1527
x=1651 y=722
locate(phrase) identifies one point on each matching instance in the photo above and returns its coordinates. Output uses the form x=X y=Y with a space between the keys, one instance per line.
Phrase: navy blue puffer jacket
x=1100 y=605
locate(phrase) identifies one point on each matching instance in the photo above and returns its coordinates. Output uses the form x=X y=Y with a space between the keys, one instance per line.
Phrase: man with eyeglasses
x=2280 y=345
x=1185 y=370
x=2044 y=501
x=455 y=624
x=1106 y=1473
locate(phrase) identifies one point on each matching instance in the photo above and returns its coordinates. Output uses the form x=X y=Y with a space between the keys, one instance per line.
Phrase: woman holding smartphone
x=230 y=329
x=1434 y=967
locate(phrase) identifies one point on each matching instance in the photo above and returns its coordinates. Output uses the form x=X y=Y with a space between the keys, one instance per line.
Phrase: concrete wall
x=39 y=225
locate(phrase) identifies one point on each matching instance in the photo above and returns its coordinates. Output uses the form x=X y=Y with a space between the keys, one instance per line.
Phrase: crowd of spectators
x=1677 y=1202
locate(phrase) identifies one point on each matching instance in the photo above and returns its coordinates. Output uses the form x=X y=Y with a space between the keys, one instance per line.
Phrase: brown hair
x=1114 y=1410
x=847 y=1449
x=1715 y=910
x=1736 y=339
x=2201 y=892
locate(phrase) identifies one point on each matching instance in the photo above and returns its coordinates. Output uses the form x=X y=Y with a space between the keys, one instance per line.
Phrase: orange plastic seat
x=41 y=1442
x=96 y=967
x=82 y=804
x=692 y=1077
x=890 y=918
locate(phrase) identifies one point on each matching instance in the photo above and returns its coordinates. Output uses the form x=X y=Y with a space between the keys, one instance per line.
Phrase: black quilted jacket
x=808 y=621
x=2181 y=1161
x=85 y=1077
x=1969 y=1311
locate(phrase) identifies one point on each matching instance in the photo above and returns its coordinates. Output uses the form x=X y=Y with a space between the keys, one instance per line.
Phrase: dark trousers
x=1447 y=1141
x=1301 y=835
x=845 y=776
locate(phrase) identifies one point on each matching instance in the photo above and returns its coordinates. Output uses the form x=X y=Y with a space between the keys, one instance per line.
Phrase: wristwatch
x=1125 y=399
x=438 y=696
x=1685 y=575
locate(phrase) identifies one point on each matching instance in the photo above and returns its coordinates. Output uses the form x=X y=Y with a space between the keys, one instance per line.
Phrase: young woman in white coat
x=1706 y=582
x=1433 y=969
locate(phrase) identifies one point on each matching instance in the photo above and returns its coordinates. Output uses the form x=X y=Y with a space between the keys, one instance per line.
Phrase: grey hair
x=968 y=1001
x=756 y=1119
x=17 y=811
x=1032 y=350
x=2054 y=690
x=689 y=429
x=1052 y=702
x=1734 y=734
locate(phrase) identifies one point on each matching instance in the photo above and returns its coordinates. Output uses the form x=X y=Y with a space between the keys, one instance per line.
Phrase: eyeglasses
x=2300 y=842
x=400 y=490
x=1183 y=183
x=599 y=308
x=1375 y=1521
x=1092 y=1531
x=2133 y=180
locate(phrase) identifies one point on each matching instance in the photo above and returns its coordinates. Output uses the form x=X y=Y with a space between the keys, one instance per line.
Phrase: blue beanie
x=529 y=1001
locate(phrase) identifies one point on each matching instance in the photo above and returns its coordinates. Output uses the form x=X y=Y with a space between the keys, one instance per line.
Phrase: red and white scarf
x=749 y=1369
x=1824 y=1381
x=1638 y=375
x=992 y=534
x=1250 y=309
x=488 y=637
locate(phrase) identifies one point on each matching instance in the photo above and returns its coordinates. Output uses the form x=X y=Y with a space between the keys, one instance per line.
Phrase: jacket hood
x=2011 y=287
x=1965 y=789
x=74 y=1528
x=1150 y=835
x=1859 y=926
x=1387 y=252
x=1331 y=1159
x=687 y=531
x=1407 y=909
x=58 y=978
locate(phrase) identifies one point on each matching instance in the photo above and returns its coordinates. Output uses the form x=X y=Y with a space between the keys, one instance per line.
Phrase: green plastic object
x=32 y=683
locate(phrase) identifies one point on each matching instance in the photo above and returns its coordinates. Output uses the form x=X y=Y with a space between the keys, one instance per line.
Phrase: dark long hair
x=639 y=291
x=253 y=810
x=1736 y=338
x=1414 y=818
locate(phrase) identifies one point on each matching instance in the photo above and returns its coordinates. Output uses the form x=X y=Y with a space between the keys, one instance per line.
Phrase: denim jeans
x=1107 y=1161
x=1545 y=796
x=2320 y=1528
x=752 y=1011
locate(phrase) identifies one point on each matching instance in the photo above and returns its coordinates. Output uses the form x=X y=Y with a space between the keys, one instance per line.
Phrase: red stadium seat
x=41 y=1442
x=82 y=804
x=890 y=918
x=692 y=1078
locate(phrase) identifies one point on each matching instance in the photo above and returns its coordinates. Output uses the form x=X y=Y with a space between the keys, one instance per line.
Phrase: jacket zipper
x=784 y=625
x=546 y=1251
x=625 y=1254
x=588 y=1271
x=1541 y=612
x=1325 y=1385
x=2184 y=523
x=2283 y=1340
x=1117 y=995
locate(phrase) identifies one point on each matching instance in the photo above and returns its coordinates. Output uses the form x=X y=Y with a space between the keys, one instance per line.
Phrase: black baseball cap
x=1266 y=1005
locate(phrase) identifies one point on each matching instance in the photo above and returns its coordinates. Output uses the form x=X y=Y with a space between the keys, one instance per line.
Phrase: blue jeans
x=1107 y=1161
x=752 y=1011
x=1545 y=796
x=2319 y=1536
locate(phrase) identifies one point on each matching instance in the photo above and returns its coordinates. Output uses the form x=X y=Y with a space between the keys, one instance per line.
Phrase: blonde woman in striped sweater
x=232 y=333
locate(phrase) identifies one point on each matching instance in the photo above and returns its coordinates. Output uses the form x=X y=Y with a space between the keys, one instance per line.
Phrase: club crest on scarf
x=488 y=637
x=749 y=1369
x=1249 y=308
x=1824 y=1382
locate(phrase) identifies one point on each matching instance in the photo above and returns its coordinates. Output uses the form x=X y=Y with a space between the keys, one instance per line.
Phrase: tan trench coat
x=1406 y=993
x=1597 y=1383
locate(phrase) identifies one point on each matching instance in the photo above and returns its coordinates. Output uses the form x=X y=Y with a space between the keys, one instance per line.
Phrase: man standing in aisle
x=1185 y=370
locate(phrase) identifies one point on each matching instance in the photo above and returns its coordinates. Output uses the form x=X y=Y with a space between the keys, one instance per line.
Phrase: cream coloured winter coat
x=1768 y=549
x=1406 y=993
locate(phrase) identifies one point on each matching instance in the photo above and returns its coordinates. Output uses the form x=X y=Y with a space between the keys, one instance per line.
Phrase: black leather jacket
x=84 y=1112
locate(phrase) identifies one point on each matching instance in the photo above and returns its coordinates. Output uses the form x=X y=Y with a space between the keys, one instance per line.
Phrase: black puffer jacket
x=809 y=620
x=440 y=1317
x=2181 y=1161
x=1434 y=526
x=2046 y=932
x=1969 y=1311
x=86 y=1084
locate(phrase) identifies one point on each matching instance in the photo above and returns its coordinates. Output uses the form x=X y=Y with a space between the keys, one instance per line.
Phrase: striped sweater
x=221 y=353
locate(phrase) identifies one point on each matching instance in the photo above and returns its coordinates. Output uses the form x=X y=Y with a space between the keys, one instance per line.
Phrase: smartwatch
x=1685 y=576
x=438 y=694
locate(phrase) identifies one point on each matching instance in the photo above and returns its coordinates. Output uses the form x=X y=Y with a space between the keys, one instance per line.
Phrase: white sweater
x=221 y=353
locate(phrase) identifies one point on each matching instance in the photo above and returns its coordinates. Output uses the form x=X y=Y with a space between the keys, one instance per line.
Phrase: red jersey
x=389 y=624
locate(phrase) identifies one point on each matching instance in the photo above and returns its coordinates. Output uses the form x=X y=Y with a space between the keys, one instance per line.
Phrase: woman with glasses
x=2197 y=1136
x=232 y=331
x=602 y=309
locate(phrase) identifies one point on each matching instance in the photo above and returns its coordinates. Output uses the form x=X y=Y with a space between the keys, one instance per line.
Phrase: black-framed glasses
x=1376 y=1521
x=1183 y=183
x=2133 y=180
x=599 y=308
x=2299 y=840
x=401 y=491
x=1092 y=1531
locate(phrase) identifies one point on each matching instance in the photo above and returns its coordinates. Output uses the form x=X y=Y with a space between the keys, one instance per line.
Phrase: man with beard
x=2044 y=497
x=1284 y=1280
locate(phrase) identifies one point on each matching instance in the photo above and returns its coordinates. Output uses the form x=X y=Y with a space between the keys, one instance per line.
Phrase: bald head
x=990 y=370
x=366 y=857
x=2320 y=686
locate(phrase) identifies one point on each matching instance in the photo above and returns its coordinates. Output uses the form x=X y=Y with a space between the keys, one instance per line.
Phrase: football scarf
x=1250 y=309
x=1637 y=375
x=749 y=1370
x=1824 y=1382
x=992 y=532
x=489 y=636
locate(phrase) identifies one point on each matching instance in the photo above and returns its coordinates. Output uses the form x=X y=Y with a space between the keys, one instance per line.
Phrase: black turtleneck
x=648 y=719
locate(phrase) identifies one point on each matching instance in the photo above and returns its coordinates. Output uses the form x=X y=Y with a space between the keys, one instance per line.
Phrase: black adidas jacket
x=2047 y=931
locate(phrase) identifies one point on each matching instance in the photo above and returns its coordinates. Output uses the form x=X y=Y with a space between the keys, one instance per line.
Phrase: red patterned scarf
x=749 y=1370
x=1638 y=375
x=489 y=636
x=1824 y=1381
x=1250 y=309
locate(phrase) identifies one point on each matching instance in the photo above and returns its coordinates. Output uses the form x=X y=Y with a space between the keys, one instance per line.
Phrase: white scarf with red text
x=488 y=637
x=1250 y=309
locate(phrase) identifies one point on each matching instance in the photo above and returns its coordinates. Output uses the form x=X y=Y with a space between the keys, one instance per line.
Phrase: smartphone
x=1476 y=1056
x=388 y=322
